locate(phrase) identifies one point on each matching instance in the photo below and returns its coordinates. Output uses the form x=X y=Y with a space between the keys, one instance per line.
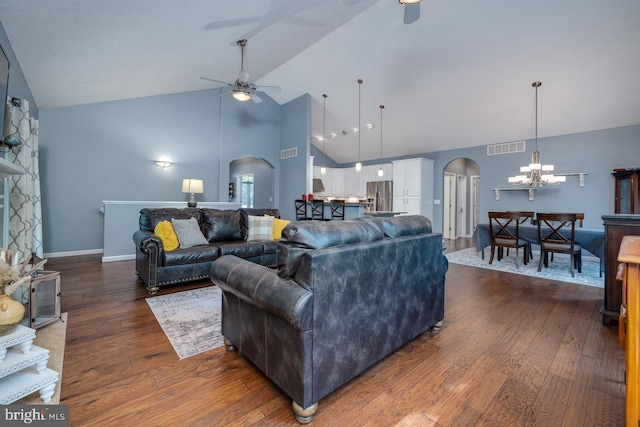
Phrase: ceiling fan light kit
x=242 y=90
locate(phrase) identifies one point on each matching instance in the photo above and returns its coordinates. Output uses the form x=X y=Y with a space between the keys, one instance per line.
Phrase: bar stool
x=301 y=210
x=337 y=209
x=317 y=209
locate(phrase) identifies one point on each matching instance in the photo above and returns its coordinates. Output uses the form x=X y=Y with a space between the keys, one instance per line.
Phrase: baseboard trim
x=118 y=258
x=72 y=253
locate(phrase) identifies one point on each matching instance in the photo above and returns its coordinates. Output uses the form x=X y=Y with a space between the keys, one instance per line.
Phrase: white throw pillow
x=188 y=232
x=260 y=228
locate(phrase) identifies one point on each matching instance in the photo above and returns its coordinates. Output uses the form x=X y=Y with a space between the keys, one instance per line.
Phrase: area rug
x=190 y=319
x=558 y=269
x=52 y=337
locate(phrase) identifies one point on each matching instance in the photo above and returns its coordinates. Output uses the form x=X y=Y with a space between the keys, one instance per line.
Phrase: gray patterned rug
x=558 y=269
x=190 y=319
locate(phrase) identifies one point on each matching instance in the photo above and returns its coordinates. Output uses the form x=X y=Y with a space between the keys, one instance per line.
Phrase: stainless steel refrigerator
x=380 y=194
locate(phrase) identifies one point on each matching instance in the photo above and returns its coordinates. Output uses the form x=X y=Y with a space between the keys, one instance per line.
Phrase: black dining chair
x=552 y=240
x=504 y=228
x=525 y=216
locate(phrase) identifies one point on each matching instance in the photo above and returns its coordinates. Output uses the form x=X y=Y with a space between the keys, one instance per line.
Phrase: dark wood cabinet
x=615 y=228
x=627 y=191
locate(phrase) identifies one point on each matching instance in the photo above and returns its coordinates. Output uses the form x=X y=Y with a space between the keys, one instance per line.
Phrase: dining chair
x=337 y=209
x=317 y=209
x=526 y=216
x=552 y=240
x=504 y=228
x=579 y=219
x=301 y=210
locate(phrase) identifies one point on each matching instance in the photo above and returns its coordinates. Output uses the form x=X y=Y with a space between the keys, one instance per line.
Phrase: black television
x=4 y=85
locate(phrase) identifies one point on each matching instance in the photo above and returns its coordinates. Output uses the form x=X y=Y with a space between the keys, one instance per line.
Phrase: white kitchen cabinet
x=327 y=180
x=338 y=182
x=413 y=187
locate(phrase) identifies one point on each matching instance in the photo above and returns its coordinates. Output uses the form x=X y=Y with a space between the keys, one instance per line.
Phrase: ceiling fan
x=411 y=10
x=242 y=89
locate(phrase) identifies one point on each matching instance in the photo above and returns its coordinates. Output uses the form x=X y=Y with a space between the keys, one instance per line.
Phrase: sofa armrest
x=146 y=240
x=262 y=287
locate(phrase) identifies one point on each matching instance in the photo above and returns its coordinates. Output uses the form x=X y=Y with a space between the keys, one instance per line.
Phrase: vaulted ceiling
x=458 y=77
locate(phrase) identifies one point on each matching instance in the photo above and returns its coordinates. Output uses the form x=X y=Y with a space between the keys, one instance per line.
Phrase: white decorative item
x=23 y=368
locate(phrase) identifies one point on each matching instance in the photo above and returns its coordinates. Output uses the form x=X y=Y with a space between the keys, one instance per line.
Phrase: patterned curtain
x=25 y=209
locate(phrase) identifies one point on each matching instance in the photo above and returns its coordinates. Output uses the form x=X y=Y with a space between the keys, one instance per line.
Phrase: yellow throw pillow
x=278 y=226
x=164 y=230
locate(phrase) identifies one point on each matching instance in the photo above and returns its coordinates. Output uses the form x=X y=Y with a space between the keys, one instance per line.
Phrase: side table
x=23 y=367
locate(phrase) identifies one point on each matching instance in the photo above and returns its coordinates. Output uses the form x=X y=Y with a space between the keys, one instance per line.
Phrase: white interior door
x=475 y=201
x=461 y=206
x=449 y=211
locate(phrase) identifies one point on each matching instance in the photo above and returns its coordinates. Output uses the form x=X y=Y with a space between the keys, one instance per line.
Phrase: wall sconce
x=192 y=186
x=163 y=163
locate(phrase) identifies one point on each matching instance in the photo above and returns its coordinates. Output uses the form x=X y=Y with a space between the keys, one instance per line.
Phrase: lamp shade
x=191 y=185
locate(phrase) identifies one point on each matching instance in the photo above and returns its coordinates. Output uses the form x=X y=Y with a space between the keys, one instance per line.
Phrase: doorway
x=252 y=182
x=245 y=190
x=460 y=208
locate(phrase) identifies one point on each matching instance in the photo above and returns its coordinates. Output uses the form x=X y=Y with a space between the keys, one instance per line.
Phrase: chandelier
x=536 y=174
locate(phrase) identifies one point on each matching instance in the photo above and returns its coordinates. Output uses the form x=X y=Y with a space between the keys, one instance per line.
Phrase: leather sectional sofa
x=225 y=230
x=345 y=295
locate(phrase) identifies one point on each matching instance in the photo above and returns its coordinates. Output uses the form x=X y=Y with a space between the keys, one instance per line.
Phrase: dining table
x=592 y=240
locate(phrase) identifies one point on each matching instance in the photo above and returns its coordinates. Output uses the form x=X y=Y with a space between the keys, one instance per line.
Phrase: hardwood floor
x=513 y=351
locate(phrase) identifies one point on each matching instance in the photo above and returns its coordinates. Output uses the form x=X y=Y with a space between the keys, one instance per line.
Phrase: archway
x=252 y=182
x=460 y=206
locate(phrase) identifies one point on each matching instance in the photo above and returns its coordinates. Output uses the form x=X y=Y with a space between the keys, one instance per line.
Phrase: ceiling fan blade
x=255 y=98
x=216 y=81
x=225 y=92
x=411 y=13
x=274 y=89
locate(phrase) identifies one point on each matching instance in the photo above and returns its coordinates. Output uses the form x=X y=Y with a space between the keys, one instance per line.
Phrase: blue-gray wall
x=296 y=132
x=596 y=153
x=106 y=151
x=18 y=87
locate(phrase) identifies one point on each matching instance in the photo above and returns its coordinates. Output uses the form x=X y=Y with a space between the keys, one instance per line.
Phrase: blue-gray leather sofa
x=225 y=230
x=345 y=295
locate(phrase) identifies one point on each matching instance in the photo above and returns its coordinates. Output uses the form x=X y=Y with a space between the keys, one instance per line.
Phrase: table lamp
x=192 y=186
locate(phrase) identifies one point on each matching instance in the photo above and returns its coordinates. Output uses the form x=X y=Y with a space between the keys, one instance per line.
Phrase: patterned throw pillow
x=164 y=230
x=188 y=232
x=260 y=228
x=278 y=226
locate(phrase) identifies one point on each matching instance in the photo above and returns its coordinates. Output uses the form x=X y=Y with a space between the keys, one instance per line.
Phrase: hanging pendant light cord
x=536 y=85
x=381 y=108
x=359 y=107
x=324 y=115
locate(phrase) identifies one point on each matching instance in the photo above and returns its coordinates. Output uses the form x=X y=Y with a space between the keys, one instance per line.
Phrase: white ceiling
x=459 y=77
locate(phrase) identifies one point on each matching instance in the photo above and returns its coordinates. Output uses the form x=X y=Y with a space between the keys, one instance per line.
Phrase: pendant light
x=323 y=170
x=380 y=171
x=359 y=165
x=536 y=174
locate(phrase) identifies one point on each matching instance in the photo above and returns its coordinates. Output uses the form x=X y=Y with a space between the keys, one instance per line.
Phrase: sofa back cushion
x=150 y=217
x=406 y=225
x=220 y=225
x=303 y=236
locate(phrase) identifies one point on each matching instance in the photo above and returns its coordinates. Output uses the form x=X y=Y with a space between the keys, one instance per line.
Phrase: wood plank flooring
x=514 y=351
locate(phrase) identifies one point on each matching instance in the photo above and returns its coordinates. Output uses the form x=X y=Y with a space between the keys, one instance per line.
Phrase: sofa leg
x=229 y=344
x=304 y=415
x=153 y=290
x=435 y=329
